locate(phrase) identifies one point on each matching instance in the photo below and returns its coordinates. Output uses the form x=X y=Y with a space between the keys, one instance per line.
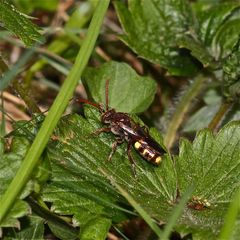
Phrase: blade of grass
x=55 y=111
x=3 y=121
x=230 y=218
x=176 y=213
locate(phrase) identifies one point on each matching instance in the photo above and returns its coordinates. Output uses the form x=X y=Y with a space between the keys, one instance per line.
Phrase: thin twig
x=224 y=108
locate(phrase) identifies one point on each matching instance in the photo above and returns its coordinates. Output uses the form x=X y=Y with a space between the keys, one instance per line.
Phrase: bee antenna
x=106 y=92
x=88 y=102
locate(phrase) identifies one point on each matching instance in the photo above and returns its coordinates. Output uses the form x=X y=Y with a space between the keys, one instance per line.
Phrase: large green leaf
x=81 y=174
x=9 y=163
x=152 y=29
x=212 y=163
x=18 y=23
x=128 y=92
x=80 y=185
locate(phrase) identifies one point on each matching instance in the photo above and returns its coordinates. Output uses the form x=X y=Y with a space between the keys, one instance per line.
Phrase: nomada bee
x=126 y=129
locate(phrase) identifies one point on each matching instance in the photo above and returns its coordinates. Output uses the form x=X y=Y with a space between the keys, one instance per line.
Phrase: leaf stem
x=225 y=106
x=181 y=110
x=58 y=107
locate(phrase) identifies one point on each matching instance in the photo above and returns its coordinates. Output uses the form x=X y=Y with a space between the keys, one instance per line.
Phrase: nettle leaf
x=9 y=165
x=152 y=29
x=218 y=25
x=212 y=163
x=18 y=23
x=80 y=183
x=120 y=76
x=32 y=228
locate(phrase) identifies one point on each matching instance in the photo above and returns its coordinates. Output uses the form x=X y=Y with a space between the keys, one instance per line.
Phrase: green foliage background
x=199 y=40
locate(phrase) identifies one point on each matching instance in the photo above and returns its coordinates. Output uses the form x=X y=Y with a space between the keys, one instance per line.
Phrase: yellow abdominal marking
x=158 y=160
x=145 y=151
x=137 y=145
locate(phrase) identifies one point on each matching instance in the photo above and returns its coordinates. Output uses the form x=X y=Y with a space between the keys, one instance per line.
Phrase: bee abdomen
x=147 y=153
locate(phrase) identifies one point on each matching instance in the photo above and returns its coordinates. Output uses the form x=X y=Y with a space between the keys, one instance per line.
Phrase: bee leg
x=114 y=147
x=145 y=129
x=133 y=164
x=101 y=130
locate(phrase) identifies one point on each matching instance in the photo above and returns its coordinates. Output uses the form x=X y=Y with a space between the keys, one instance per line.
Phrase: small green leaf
x=18 y=23
x=231 y=77
x=128 y=92
x=9 y=164
x=152 y=29
x=212 y=164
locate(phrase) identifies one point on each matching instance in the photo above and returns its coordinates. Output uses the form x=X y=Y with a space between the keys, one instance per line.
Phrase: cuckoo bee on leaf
x=126 y=129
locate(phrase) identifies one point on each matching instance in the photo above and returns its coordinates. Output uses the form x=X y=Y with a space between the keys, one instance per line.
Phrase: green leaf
x=18 y=23
x=79 y=163
x=212 y=164
x=81 y=185
x=60 y=232
x=96 y=228
x=152 y=29
x=123 y=82
x=231 y=77
x=32 y=228
x=31 y=5
x=218 y=25
x=198 y=50
x=9 y=164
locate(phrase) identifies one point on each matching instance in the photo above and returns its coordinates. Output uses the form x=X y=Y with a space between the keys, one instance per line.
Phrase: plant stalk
x=181 y=110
